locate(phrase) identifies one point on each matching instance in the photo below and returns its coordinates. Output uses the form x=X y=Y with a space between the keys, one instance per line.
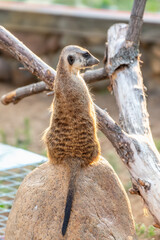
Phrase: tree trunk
x=144 y=162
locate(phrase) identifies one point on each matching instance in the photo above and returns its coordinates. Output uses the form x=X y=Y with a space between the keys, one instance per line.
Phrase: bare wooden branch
x=134 y=143
x=18 y=94
x=144 y=160
x=128 y=51
x=136 y=21
x=34 y=64
x=95 y=75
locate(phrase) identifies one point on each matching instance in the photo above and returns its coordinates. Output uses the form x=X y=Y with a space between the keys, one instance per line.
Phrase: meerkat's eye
x=70 y=59
x=86 y=55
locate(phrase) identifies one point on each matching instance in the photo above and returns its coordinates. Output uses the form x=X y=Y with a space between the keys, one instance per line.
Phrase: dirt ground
x=35 y=109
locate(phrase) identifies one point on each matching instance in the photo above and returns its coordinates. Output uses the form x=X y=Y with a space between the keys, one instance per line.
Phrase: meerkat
x=71 y=137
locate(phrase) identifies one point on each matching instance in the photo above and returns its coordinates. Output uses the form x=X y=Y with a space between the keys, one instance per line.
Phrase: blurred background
x=124 y=5
x=46 y=26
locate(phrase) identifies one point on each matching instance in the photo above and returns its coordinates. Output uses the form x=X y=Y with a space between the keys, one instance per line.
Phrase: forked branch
x=37 y=67
x=136 y=21
x=18 y=94
x=134 y=143
x=143 y=159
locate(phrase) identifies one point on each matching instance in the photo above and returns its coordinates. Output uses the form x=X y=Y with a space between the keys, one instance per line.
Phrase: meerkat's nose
x=96 y=61
x=92 y=61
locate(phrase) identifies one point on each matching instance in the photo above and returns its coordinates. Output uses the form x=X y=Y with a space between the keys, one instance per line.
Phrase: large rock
x=101 y=210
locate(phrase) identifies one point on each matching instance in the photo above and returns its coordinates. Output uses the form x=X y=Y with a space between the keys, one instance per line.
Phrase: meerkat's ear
x=71 y=59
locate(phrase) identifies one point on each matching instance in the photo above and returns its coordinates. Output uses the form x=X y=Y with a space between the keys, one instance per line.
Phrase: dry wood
x=136 y=21
x=134 y=143
x=36 y=66
x=143 y=158
x=19 y=51
x=16 y=95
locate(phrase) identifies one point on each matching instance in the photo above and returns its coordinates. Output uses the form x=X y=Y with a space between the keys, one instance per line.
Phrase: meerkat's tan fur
x=71 y=137
x=72 y=131
x=96 y=201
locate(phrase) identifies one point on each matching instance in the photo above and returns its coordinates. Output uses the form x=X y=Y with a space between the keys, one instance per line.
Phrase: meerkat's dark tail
x=69 y=202
x=70 y=198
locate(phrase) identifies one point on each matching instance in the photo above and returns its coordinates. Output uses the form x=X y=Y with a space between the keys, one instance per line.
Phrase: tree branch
x=144 y=160
x=36 y=66
x=127 y=51
x=125 y=74
x=135 y=146
x=136 y=21
x=18 y=94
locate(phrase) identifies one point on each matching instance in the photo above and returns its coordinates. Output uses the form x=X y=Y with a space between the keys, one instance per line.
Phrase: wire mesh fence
x=11 y=177
x=9 y=183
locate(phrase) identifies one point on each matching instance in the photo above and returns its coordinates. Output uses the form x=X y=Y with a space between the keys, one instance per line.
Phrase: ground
x=23 y=124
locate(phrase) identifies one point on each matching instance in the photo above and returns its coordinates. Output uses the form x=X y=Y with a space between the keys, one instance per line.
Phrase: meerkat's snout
x=92 y=61
x=89 y=59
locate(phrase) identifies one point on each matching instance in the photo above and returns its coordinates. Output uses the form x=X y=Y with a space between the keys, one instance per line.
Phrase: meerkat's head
x=76 y=58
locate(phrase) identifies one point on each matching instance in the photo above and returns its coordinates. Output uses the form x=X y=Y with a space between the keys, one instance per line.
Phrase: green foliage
x=69 y=2
x=127 y=186
x=153 y=6
x=3 y=136
x=151 y=231
x=22 y=136
x=157 y=143
x=5 y=206
x=98 y=4
x=124 y=5
x=143 y=232
x=102 y=91
x=5 y=190
x=116 y=4
x=140 y=229
x=44 y=153
x=112 y=159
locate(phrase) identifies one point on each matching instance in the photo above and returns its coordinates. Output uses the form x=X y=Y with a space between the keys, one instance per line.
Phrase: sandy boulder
x=101 y=210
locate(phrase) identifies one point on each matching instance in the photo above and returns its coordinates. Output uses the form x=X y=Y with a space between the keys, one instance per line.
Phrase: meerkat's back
x=71 y=138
